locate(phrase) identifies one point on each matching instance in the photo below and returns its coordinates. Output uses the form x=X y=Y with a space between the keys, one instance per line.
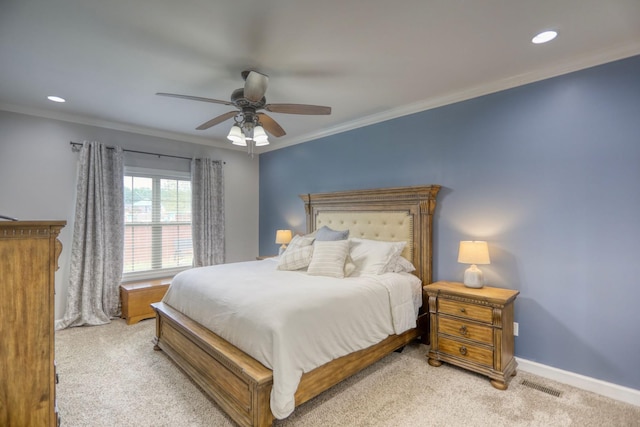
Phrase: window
x=157 y=210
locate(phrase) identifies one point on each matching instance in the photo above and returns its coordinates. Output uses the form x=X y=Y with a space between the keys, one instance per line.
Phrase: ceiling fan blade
x=298 y=109
x=195 y=98
x=255 y=85
x=271 y=125
x=221 y=118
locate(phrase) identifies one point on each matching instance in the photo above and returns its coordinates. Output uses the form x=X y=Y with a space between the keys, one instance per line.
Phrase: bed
x=239 y=383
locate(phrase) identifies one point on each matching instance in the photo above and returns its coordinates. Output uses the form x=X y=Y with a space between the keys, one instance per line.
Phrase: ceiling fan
x=249 y=101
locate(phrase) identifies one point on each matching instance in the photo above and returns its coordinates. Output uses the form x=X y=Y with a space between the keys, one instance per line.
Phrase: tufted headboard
x=390 y=214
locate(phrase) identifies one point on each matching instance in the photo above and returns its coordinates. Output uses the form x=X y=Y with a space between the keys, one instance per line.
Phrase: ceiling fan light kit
x=250 y=125
x=260 y=136
x=236 y=136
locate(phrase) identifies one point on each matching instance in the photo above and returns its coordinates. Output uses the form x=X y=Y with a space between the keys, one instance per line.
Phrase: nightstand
x=261 y=257
x=473 y=329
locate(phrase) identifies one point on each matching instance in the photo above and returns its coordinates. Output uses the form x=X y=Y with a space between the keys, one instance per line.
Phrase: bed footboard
x=237 y=382
x=240 y=384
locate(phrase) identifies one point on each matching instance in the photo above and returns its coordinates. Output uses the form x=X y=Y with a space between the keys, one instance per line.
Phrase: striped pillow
x=329 y=258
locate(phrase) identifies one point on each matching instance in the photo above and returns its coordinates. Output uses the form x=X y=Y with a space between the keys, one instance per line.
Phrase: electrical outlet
x=515 y=328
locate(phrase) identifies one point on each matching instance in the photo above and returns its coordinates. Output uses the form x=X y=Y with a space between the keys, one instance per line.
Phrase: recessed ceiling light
x=56 y=99
x=543 y=37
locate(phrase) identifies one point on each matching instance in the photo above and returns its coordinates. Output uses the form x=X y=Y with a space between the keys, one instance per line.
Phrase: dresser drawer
x=475 y=353
x=467 y=310
x=461 y=328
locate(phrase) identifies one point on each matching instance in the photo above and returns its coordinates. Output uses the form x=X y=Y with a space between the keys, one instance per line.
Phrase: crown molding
x=574 y=64
x=89 y=121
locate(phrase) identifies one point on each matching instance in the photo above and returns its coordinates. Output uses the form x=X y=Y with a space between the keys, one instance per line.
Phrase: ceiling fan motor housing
x=237 y=97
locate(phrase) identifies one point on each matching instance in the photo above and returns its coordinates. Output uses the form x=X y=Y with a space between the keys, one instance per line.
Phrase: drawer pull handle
x=462 y=310
x=463 y=330
x=463 y=350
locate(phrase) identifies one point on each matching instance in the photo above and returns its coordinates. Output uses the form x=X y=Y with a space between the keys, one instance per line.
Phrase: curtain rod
x=74 y=147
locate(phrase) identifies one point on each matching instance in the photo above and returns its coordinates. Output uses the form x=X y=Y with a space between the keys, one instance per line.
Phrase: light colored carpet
x=111 y=376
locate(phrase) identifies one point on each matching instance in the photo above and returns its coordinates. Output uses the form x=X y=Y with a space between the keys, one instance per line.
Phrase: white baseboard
x=614 y=391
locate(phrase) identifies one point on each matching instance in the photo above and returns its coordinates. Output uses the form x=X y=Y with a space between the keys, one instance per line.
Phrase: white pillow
x=373 y=256
x=296 y=258
x=329 y=258
x=349 y=267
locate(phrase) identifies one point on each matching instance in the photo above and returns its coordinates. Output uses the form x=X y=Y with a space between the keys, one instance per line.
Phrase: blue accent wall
x=548 y=173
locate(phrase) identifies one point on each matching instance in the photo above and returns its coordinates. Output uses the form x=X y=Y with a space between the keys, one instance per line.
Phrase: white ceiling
x=370 y=60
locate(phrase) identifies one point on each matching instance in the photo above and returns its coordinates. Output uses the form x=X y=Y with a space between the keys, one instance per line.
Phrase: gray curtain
x=207 y=210
x=98 y=238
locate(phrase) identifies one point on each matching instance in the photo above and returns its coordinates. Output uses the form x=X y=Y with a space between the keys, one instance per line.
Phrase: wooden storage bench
x=137 y=297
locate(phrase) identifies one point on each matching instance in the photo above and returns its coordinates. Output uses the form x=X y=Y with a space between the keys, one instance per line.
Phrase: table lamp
x=473 y=252
x=283 y=237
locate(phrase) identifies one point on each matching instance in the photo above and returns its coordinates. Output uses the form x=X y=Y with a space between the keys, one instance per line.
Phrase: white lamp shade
x=260 y=137
x=283 y=236
x=236 y=136
x=473 y=252
x=259 y=134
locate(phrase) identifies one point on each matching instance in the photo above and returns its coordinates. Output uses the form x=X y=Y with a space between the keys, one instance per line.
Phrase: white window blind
x=157 y=206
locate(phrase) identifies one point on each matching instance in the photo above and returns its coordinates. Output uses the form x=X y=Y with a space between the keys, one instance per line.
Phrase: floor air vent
x=541 y=388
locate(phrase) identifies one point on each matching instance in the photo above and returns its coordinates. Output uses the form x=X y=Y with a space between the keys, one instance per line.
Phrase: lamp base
x=282 y=249
x=473 y=277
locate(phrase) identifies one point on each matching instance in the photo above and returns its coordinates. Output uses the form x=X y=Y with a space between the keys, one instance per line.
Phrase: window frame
x=155 y=174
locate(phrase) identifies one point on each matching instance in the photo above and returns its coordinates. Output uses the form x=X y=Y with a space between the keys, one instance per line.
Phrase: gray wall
x=38 y=178
x=547 y=173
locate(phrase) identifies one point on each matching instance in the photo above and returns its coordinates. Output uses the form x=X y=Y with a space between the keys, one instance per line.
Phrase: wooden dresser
x=473 y=329
x=29 y=252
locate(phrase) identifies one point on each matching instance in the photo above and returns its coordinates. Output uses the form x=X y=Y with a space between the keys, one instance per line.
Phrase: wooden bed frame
x=239 y=383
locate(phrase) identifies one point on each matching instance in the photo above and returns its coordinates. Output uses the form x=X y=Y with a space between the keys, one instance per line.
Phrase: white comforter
x=292 y=322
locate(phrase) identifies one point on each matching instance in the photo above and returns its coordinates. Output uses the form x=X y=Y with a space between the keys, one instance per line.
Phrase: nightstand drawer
x=475 y=353
x=469 y=311
x=464 y=329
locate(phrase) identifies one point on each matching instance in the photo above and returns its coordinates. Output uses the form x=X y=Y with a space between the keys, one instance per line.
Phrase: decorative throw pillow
x=329 y=258
x=373 y=256
x=296 y=258
x=400 y=265
x=299 y=242
x=328 y=234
